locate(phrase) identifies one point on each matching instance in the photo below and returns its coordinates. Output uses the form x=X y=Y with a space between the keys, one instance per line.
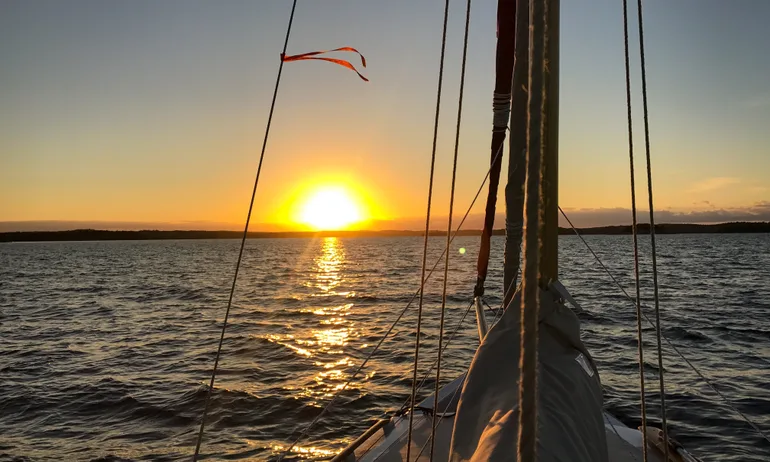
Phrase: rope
x=634 y=232
x=305 y=431
x=432 y=436
x=402 y=410
x=243 y=239
x=530 y=300
x=498 y=312
x=705 y=379
x=427 y=224
x=449 y=225
x=404 y=407
x=493 y=310
x=652 y=232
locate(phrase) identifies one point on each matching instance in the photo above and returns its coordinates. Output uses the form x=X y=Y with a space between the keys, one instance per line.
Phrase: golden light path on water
x=324 y=343
x=328 y=277
x=325 y=335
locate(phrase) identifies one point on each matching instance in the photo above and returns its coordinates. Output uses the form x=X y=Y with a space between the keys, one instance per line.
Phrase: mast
x=549 y=401
x=549 y=250
x=512 y=67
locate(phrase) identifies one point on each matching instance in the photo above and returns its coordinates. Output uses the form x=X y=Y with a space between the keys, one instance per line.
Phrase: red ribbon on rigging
x=341 y=62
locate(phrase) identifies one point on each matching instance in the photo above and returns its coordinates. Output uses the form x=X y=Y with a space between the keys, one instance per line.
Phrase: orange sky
x=153 y=113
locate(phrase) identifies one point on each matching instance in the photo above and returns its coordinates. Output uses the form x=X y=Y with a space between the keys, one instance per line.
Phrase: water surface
x=106 y=347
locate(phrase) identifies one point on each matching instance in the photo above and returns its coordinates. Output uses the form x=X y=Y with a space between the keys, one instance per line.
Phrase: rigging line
x=393 y=325
x=458 y=389
x=705 y=379
x=494 y=310
x=499 y=310
x=498 y=313
x=427 y=224
x=449 y=224
x=425 y=377
x=503 y=306
x=430 y=369
x=432 y=437
x=640 y=352
x=245 y=233
x=652 y=230
x=502 y=310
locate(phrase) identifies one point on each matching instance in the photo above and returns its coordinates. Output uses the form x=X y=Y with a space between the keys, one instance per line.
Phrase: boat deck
x=381 y=448
x=386 y=441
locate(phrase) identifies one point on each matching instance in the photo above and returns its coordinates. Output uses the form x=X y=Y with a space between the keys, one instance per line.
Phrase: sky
x=148 y=114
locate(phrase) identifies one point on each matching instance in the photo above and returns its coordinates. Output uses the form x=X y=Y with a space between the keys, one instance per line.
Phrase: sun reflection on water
x=285 y=340
x=329 y=264
x=306 y=451
x=329 y=331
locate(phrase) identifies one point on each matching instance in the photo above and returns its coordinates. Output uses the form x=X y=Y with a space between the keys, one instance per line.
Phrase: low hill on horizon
x=104 y=235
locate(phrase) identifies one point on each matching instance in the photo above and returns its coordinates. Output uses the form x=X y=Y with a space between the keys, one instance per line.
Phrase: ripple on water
x=107 y=347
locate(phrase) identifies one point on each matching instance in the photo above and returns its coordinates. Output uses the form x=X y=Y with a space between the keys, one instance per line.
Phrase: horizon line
x=362 y=230
x=101 y=235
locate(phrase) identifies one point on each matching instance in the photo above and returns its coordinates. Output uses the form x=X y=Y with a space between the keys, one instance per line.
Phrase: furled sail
x=570 y=422
x=501 y=105
x=514 y=188
x=571 y=425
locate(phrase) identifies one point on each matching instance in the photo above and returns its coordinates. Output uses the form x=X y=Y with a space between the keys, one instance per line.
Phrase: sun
x=330 y=208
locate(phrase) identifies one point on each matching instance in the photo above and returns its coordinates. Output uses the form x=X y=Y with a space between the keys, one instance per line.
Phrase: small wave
x=87 y=289
x=111 y=458
x=108 y=343
x=691 y=335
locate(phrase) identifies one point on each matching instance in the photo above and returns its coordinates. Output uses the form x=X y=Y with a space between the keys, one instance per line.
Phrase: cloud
x=712 y=184
x=621 y=216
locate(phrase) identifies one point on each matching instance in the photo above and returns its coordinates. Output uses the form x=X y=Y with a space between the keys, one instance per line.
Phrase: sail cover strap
x=341 y=62
x=506 y=45
x=501 y=109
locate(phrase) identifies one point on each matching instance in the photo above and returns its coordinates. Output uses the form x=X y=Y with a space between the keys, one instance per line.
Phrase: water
x=106 y=347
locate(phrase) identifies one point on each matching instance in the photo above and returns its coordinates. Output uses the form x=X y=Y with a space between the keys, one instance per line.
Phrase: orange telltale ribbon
x=341 y=62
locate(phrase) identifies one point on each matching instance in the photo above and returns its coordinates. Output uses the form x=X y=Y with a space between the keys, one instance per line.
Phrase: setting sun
x=330 y=208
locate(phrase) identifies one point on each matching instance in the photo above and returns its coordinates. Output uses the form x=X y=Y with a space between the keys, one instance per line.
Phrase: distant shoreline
x=104 y=235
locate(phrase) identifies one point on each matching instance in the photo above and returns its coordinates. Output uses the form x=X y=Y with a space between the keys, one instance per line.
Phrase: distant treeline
x=678 y=228
x=103 y=235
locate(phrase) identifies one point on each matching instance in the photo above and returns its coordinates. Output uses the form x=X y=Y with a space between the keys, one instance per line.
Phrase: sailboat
x=532 y=391
x=487 y=413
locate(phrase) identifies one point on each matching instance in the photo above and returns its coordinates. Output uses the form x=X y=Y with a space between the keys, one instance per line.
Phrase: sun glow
x=330 y=208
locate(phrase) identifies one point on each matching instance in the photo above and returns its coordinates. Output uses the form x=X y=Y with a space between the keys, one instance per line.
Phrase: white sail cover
x=571 y=424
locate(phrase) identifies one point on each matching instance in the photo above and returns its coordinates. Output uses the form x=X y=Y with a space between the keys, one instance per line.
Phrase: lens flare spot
x=462 y=250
